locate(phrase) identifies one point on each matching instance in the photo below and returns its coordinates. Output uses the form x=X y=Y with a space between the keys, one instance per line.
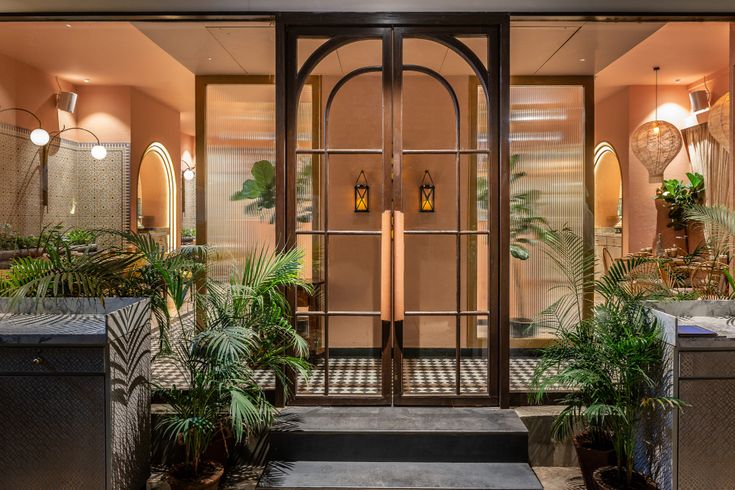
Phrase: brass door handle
x=385 y=256
x=398 y=266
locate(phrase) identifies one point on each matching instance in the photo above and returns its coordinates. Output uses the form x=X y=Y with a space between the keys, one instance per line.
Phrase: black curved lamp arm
x=57 y=134
x=20 y=109
x=188 y=166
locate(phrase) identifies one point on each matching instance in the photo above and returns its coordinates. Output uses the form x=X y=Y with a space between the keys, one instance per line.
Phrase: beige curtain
x=710 y=159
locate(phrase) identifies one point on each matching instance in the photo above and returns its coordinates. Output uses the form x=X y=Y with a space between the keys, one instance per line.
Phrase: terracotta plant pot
x=591 y=458
x=606 y=478
x=180 y=478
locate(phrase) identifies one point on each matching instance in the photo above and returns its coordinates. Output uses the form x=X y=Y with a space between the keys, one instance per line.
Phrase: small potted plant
x=679 y=197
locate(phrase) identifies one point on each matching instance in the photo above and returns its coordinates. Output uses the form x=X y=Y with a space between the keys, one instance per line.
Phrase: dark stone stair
x=398 y=447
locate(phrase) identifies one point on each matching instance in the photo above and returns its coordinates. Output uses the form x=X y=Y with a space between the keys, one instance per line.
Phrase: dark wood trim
x=502 y=187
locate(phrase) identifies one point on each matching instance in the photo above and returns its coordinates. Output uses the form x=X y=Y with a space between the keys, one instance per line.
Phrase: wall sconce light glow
x=362 y=194
x=40 y=137
x=99 y=152
x=426 y=194
x=188 y=174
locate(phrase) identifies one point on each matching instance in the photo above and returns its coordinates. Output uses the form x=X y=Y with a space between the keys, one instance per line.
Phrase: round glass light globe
x=39 y=137
x=188 y=174
x=99 y=152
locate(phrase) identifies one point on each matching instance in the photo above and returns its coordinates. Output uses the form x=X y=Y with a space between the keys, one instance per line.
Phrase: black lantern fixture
x=362 y=194
x=426 y=193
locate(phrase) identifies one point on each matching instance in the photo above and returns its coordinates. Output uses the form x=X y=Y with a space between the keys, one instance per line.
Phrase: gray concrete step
x=406 y=475
x=399 y=434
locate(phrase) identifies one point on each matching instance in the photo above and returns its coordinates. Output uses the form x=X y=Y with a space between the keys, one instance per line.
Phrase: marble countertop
x=52 y=329
x=718 y=316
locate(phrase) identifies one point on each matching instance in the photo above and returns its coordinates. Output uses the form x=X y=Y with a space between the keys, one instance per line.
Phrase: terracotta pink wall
x=615 y=119
x=22 y=85
x=611 y=125
x=152 y=121
x=106 y=111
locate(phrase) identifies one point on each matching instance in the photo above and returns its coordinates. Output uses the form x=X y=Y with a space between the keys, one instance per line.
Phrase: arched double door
x=396 y=199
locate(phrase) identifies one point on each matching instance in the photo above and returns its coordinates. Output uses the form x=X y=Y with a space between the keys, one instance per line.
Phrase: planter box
x=699 y=448
x=74 y=393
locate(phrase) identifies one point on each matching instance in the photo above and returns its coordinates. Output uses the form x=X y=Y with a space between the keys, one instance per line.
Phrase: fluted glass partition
x=547 y=148
x=240 y=164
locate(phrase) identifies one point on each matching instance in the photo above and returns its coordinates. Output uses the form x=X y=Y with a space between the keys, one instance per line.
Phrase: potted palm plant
x=607 y=356
x=678 y=197
x=241 y=327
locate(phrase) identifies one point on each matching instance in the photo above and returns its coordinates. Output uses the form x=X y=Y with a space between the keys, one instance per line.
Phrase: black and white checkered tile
x=362 y=375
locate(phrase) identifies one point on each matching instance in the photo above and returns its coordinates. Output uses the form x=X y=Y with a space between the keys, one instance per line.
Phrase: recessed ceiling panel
x=595 y=45
x=252 y=48
x=532 y=44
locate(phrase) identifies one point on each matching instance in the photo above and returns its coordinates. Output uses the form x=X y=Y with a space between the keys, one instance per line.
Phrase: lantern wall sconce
x=362 y=194
x=426 y=194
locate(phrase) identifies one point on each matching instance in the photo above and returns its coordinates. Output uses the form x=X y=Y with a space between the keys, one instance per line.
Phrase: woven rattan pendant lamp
x=719 y=121
x=656 y=143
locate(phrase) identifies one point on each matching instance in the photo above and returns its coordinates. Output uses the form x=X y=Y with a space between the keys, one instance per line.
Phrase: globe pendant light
x=656 y=142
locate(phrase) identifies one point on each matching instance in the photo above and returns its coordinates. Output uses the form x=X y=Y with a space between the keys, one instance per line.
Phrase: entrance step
x=374 y=475
x=399 y=434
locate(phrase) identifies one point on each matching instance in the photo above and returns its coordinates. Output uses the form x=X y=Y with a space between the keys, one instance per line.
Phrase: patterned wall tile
x=82 y=191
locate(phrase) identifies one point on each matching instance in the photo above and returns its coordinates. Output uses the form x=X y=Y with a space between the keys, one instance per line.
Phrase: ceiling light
x=87 y=80
x=582 y=60
x=210 y=58
x=68 y=25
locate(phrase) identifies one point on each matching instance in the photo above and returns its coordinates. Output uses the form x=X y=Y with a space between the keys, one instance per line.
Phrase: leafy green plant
x=610 y=362
x=680 y=196
x=11 y=240
x=140 y=267
x=80 y=236
x=261 y=189
x=189 y=232
x=243 y=326
x=526 y=225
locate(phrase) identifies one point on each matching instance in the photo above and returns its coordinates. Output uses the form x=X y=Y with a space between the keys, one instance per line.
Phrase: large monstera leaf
x=261 y=188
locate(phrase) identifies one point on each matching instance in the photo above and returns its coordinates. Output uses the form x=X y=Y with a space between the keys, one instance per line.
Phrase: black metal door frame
x=391 y=29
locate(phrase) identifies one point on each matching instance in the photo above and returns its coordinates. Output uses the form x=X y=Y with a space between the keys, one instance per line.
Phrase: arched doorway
x=156 y=204
x=407 y=296
x=608 y=205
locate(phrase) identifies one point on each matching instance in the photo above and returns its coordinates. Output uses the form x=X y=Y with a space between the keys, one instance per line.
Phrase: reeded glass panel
x=474 y=191
x=309 y=193
x=355 y=355
x=240 y=131
x=240 y=153
x=429 y=355
x=547 y=154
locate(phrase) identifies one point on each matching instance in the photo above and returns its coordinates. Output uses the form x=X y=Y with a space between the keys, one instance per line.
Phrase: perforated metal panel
x=707 y=364
x=707 y=435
